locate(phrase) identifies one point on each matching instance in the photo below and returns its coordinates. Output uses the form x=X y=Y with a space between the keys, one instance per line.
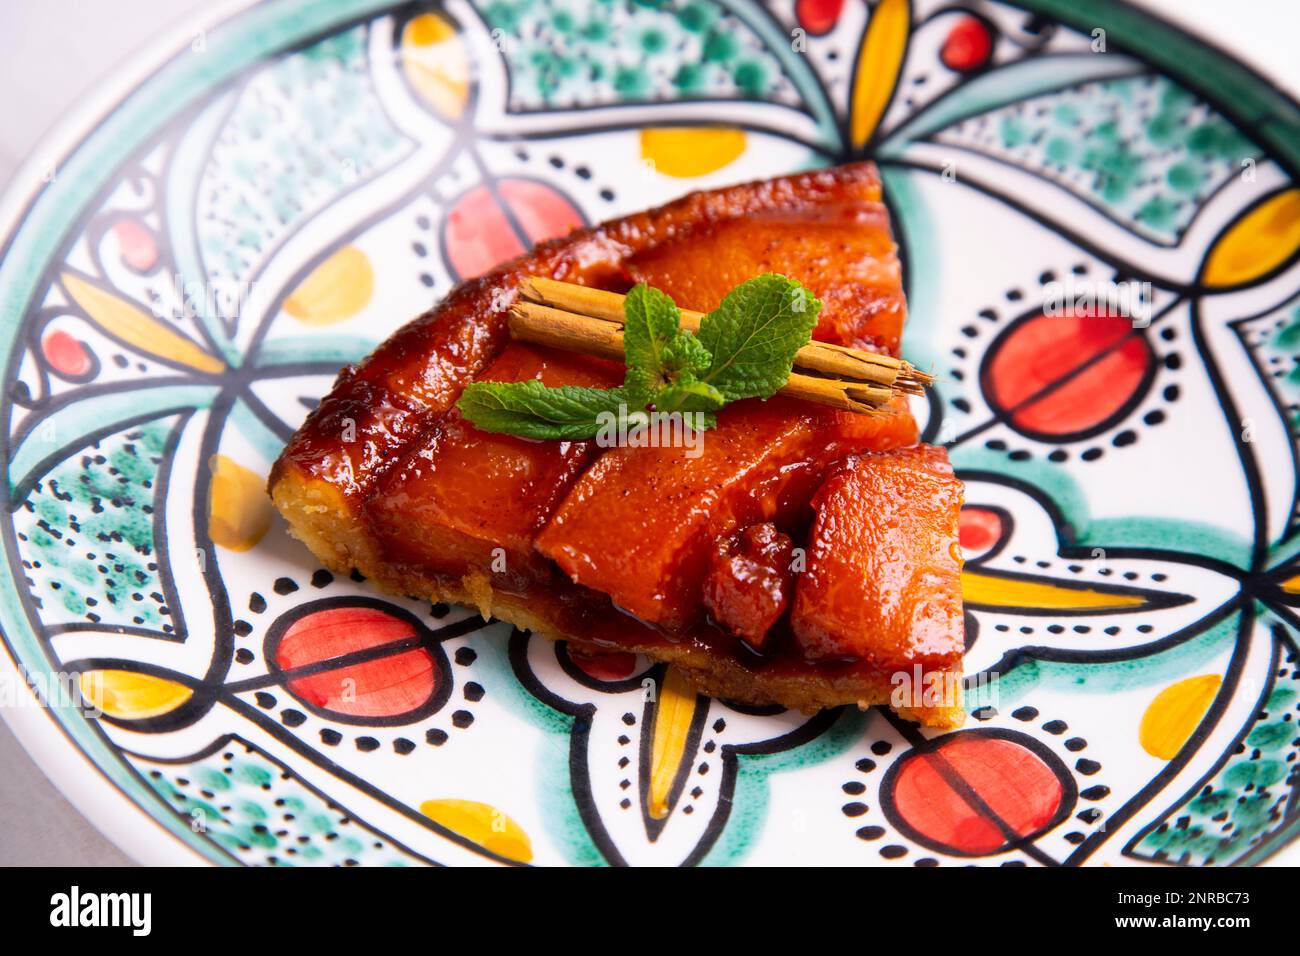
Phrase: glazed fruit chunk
x=750 y=581
x=841 y=250
x=883 y=577
x=639 y=523
x=462 y=500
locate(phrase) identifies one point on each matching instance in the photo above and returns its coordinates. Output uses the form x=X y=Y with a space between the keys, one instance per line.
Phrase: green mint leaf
x=686 y=356
x=754 y=334
x=689 y=395
x=531 y=410
x=650 y=326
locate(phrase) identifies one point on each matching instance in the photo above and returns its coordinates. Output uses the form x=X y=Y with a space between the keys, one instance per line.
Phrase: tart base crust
x=322 y=525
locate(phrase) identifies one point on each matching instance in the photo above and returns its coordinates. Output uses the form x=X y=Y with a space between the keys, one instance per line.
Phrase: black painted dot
x=870 y=833
x=1091 y=815
x=367 y=744
x=1058 y=455
x=624 y=740
x=1091 y=454
x=466 y=656
x=881 y=747
x=439 y=610
x=1025 y=713
x=357 y=576
x=893 y=851
x=244 y=656
x=264 y=700
x=256 y=603
x=1098 y=792
x=1056 y=726
x=710 y=747
x=719 y=725
x=321 y=578
x=330 y=737
x=1074 y=838
x=243 y=628
x=462 y=719
x=1171 y=393
x=926 y=861
x=426 y=280
x=625 y=803
x=1124 y=438
x=582 y=172
x=629 y=719
x=1075 y=744
x=556 y=161
x=703 y=768
x=403 y=746
x=435 y=736
x=854 y=788
x=473 y=692
x=866 y=765
x=984 y=713
x=854 y=809
x=607 y=195
x=1086 y=767
x=1154 y=418
x=284 y=586
x=1173 y=361
x=1014 y=295
x=293 y=718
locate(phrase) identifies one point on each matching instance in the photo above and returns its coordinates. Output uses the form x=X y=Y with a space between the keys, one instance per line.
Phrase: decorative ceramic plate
x=288 y=185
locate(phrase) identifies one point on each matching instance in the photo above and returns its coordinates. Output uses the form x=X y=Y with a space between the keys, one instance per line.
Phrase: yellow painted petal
x=125 y=320
x=482 y=824
x=1292 y=585
x=686 y=152
x=126 y=695
x=1175 y=714
x=1256 y=243
x=879 y=61
x=336 y=290
x=436 y=64
x=988 y=590
x=239 y=511
x=674 y=713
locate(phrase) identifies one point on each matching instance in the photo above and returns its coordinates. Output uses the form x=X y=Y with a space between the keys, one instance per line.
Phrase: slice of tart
x=721 y=558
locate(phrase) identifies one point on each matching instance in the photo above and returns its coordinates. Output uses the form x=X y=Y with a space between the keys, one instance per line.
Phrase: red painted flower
x=486 y=226
x=357 y=662
x=979 y=531
x=66 y=355
x=1056 y=377
x=968 y=45
x=818 y=17
x=978 y=793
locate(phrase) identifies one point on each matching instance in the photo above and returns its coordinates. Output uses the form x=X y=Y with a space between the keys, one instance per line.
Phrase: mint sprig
x=745 y=349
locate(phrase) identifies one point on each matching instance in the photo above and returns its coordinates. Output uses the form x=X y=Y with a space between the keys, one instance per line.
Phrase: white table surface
x=53 y=51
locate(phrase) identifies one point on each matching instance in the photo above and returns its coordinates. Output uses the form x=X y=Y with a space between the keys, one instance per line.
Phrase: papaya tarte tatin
x=800 y=555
